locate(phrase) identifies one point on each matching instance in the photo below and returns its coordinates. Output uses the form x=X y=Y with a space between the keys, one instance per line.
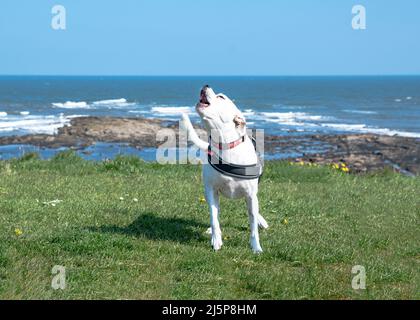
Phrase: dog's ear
x=223 y=96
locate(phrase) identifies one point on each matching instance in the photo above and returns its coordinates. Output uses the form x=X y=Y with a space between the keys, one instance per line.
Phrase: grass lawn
x=322 y=223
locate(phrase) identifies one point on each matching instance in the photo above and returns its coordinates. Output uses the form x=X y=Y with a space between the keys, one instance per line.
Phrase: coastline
x=361 y=152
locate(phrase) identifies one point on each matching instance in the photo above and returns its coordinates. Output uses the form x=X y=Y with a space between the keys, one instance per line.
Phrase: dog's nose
x=204 y=89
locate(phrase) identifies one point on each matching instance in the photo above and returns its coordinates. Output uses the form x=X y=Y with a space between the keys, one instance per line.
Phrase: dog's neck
x=225 y=136
x=224 y=131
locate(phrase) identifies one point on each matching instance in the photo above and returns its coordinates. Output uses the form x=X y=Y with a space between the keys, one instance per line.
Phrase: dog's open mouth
x=203 y=97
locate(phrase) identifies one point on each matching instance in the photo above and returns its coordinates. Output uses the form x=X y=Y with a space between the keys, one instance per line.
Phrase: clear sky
x=212 y=37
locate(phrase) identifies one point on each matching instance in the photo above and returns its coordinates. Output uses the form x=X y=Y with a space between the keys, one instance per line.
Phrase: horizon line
x=195 y=75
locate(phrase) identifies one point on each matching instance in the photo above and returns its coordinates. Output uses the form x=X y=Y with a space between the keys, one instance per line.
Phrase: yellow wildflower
x=18 y=232
x=285 y=221
x=202 y=199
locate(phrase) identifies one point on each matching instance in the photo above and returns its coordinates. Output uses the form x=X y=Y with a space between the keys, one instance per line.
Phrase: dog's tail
x=192 y=134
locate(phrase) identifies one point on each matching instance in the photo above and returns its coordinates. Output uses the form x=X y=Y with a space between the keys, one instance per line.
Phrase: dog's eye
x=221 y=97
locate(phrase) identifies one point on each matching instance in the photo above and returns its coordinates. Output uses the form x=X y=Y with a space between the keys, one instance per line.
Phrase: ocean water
x=280 y=105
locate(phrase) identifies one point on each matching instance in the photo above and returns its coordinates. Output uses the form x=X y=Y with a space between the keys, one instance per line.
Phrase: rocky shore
x=361 y=152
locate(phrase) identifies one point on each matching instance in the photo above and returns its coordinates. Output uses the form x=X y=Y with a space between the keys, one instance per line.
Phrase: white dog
x=236 y=177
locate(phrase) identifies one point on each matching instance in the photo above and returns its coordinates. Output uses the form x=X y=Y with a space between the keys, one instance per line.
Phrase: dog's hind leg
x=253 y=213
x=212 y=198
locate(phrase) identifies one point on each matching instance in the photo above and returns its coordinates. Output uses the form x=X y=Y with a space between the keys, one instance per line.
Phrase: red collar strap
x=227 y=146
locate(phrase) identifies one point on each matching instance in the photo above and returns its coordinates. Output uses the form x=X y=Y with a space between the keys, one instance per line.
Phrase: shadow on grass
x=153 y=227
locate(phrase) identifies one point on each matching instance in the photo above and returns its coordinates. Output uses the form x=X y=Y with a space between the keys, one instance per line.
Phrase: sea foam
x=48 y=124
x=110 y=101
x=71 y=105
x=113 y=103
x=291 y=117
x=362 y=128
x=171 y=110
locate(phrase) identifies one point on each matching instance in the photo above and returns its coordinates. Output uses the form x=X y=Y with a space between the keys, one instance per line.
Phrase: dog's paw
x=216 y=242
x=262 y=223
x=256 y=247
x=257 y=250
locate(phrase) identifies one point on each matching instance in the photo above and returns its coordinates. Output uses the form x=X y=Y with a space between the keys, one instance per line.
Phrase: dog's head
x=220 y=114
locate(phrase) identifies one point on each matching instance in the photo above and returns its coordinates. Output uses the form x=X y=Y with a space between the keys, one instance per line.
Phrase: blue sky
x=213 y=37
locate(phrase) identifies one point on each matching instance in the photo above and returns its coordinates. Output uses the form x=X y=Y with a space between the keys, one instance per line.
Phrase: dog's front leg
x=253 y=213
x=212 y=198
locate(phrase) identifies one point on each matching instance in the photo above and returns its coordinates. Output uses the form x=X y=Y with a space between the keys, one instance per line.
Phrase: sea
x=385 y=105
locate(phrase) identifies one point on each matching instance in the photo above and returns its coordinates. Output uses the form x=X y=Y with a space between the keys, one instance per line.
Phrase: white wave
x=113 y=103
x=282 y=115
x=24 y=113
x=36 y=124
x=298 y=120
x=360 y=111
x=313 y=118
x=248 y=112
x=362 y=128
x=71 y=105
x=3 y=114
x=409 y=98
x=286 y=122
x=290 y=117
x=168 y=111
x=397 y=100
x=137 y=111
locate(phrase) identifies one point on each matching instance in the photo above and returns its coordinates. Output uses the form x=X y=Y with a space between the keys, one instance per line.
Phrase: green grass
x=157 y=248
